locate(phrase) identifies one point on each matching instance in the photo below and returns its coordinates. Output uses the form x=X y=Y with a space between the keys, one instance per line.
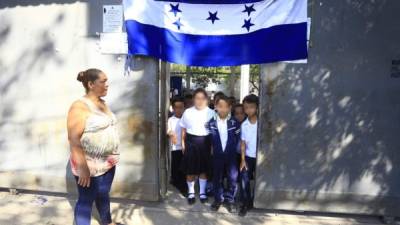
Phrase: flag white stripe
x=231 y=18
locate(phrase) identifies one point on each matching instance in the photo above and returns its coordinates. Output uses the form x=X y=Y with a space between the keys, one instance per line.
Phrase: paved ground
x=51 y=209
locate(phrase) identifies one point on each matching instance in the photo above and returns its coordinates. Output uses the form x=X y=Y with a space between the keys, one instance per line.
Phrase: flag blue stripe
x=277 y=43
x=212 y=1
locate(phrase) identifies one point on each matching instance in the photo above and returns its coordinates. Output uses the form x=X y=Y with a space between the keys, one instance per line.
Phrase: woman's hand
x=84 y=176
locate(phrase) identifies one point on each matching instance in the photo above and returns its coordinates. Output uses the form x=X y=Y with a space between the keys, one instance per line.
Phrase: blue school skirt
x=197 y=157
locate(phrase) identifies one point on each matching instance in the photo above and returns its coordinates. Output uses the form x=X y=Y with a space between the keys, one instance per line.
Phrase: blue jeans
x=97 y=192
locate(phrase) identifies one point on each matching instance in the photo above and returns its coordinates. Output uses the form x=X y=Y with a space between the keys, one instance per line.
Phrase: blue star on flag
x=247 y=24
x=178 y=23
x=175 y=9
x=249 y=9
x=213 y=16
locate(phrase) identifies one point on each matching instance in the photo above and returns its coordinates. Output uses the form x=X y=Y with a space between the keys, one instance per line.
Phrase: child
x=240 y=116
x=248 y=151
x=238 y=113
x=213 y=105
x=232 y=99
x=196 y=144
x=225 y=134
x=215 y=99
x=174 y=133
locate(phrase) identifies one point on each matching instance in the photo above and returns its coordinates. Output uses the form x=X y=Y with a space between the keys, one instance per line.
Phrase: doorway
x=181 y=80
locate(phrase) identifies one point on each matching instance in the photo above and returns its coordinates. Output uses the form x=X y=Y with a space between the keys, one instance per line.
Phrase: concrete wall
x=329 y=131
x=43 y=45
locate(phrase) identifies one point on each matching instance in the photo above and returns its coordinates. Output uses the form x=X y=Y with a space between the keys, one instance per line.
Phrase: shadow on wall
x=29 y=61
x=34 y=61
x=15 y=3
x=94 y=16
x=334 y=137
x=141 y=123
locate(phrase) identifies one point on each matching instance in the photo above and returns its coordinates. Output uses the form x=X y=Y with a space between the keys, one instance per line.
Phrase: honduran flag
x=217 y=32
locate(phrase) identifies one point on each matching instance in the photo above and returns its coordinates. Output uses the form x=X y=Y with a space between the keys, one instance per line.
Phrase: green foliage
x=202 y=76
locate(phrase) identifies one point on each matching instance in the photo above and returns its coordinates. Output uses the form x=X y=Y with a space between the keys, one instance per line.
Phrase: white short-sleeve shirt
x=173 y=126
x=249 y=136
x=195 y=120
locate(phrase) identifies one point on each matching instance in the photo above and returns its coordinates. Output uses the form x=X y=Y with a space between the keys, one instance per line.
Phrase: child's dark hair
x=200 y=90
x=188 y=96
x=218 y=94
x=223 y=98
x=251 y=99
x=237 y=106
x=176 y=99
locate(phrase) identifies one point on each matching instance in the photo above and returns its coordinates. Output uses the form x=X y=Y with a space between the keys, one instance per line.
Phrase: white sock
x=190 y=185
x=203 y=186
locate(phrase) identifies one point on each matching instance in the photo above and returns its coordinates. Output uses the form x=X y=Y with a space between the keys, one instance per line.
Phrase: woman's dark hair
x=177 y=99
x=251 y=99
x=223 y=98
x=87 y=76
x=198 y=91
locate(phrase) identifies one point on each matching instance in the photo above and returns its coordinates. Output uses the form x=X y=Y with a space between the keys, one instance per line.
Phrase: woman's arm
x=76 y=125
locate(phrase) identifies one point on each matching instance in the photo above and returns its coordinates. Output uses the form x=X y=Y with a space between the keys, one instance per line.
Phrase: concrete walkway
x=52 y=209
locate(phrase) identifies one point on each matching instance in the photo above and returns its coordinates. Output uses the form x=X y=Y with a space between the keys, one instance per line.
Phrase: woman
x=94 y=144
x=196 y=144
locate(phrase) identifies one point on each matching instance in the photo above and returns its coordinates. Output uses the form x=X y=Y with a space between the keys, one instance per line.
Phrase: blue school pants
x=247 y=195
x=225 y=164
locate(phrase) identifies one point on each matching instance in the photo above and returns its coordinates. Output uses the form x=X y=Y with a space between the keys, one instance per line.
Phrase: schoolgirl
x=196 y=144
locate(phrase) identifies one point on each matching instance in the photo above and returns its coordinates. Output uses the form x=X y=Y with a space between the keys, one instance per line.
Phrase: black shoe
x=231 y=207
x=250 y=206
x=203 y=198
x=192 y=199
x=243 y=211
x=215 y=206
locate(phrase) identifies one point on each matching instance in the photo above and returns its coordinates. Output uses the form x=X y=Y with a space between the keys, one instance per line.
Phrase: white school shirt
x=173 y=126
x=195 y=121
x=223 y=131
x=249 y=136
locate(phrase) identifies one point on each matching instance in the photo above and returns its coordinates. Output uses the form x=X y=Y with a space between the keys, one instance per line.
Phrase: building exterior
x=44 y=44
x=328 y=129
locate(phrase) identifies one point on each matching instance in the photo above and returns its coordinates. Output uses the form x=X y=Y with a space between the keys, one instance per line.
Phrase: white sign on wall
x=113 y=40
x=112 y=18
